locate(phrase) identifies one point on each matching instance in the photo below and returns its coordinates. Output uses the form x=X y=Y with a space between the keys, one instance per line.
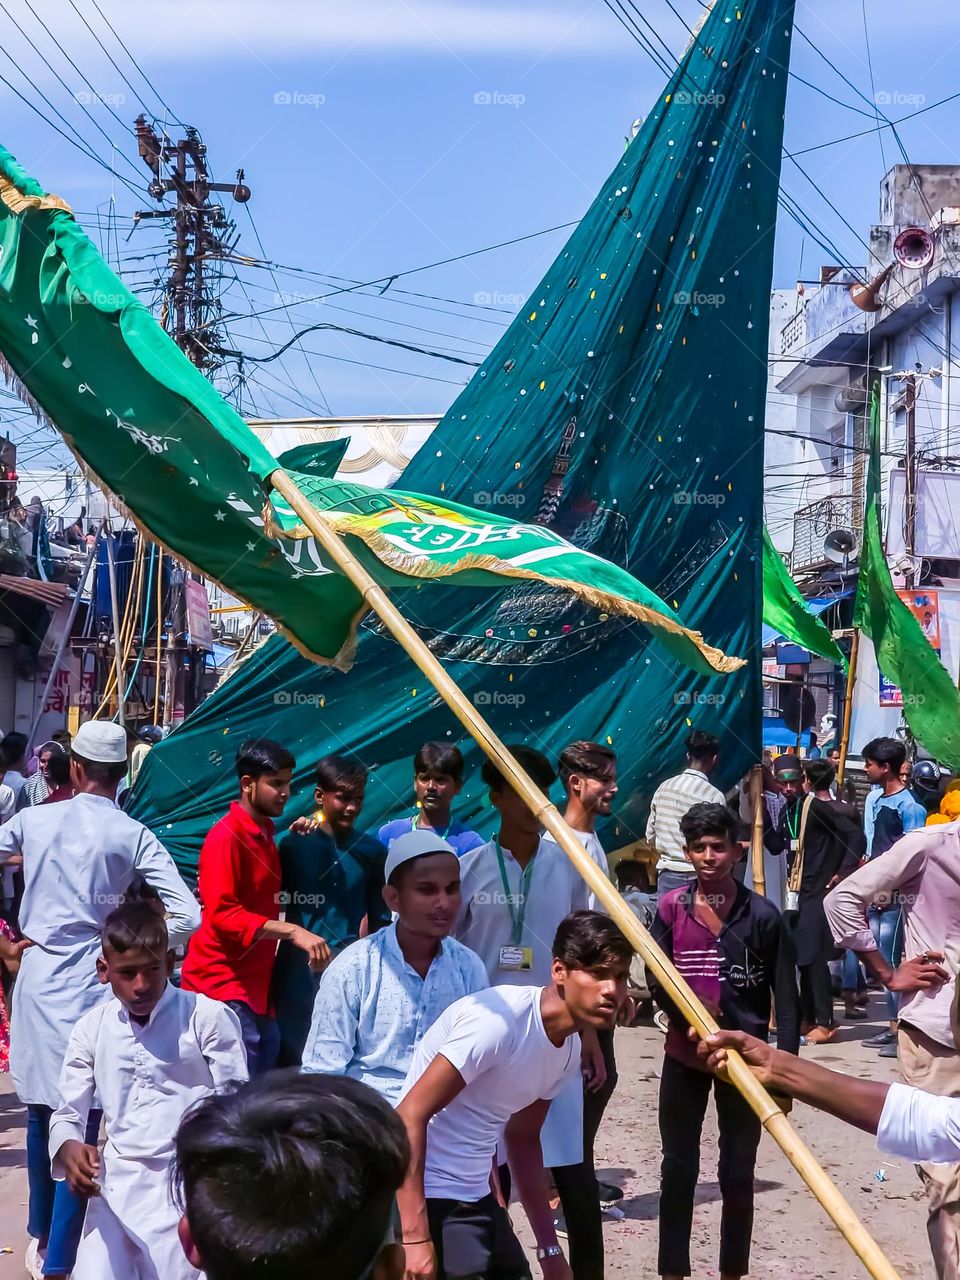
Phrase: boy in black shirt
x=729 y=944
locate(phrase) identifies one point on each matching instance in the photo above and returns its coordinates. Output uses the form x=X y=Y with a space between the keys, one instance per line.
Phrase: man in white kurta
x=146 y=1076
x=79 y=856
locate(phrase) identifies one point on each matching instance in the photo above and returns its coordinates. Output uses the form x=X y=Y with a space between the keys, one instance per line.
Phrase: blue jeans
x=887 y=929
x=261 y=1038
x=851 y=978
x=667 y=880
x=55 y=1215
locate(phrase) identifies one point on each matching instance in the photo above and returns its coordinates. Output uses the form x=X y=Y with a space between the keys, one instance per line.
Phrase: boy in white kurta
x=147 y=1055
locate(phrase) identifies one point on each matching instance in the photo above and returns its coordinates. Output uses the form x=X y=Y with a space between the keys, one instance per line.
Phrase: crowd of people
x=374 y=1042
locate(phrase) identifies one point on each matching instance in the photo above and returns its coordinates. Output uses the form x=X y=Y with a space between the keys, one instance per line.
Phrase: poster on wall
x=925 y=607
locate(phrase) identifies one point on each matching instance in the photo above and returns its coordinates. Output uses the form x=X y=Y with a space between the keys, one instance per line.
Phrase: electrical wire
x=387 y=281
x=153 y=88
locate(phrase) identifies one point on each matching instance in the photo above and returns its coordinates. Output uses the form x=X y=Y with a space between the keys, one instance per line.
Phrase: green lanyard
x=518 y=911
x=415 y=824
x=792 y=830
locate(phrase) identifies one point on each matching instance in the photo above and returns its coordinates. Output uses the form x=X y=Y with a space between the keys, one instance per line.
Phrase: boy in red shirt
x=232 y=954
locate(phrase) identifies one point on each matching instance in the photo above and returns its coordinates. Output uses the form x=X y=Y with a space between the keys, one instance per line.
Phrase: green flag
x=785 y=608
x=92 y=360
x=931 y=702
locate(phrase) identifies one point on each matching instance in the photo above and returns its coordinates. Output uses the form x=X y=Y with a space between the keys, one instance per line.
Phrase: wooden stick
x=772 y=1118
x=756 y=833
x=848 y=708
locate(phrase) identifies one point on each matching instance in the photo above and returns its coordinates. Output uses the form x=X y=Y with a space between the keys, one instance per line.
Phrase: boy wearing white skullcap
x=381 y=994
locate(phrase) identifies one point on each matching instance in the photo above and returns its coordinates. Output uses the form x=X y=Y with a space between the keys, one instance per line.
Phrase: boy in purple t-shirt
x=437 y=779
x=730 y=945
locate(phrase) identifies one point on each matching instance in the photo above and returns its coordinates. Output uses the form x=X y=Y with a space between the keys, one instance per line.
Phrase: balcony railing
x=812 y=523
x=793 y=332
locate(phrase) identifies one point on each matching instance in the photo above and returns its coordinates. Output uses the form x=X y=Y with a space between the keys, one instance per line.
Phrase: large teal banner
x=622 y=409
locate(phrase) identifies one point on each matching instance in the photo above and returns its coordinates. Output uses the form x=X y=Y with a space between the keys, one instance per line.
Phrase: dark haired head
x=101 y=772
x=631 y=873
x=12 y=749
x=886 y=751
x=258 y=757
x=706 y=819
x=340 y=770
x=535 y=763
x=590 y=940
x=58 y=768
x=820 y=774
x=439 y=757
x=136 y=925
x=587 y=758
x=702 y=745
x=289 y=1173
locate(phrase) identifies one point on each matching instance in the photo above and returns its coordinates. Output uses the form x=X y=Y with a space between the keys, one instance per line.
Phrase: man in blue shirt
x=331 y=879
x=890 y=811
x=379 y=996
x=437 y=780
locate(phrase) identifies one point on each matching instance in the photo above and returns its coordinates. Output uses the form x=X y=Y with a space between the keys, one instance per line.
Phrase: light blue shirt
x=911 y=811
x=372 y=1008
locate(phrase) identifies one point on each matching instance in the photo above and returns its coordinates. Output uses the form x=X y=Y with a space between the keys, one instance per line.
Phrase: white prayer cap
x=102 y=741
x=413 y=844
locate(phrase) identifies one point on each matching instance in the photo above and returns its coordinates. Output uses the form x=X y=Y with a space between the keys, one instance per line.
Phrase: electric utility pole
x=201 y=232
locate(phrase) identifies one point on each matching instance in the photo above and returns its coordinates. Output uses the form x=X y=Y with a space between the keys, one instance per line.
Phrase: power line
x=163 y=102
x=387 y=281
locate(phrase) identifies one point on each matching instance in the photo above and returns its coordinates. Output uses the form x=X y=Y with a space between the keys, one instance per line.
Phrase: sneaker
x=661 y=1021
x=855 y=1014
x=560 y=1224
x=32 y=1262
x=612 y=1212
x=607 y=1193
x=880 y=1041
x=888 y=1050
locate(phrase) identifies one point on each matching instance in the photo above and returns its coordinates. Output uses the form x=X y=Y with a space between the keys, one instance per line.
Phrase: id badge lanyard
x=518 y=910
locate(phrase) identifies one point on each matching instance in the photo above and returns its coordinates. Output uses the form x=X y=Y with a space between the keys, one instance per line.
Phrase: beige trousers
x=929 y=1065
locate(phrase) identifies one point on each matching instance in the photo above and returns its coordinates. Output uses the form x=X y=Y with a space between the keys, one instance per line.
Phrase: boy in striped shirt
x=730 y=945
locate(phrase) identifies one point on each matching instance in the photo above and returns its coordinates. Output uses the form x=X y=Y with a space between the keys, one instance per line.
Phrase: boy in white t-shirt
x=489 y=1067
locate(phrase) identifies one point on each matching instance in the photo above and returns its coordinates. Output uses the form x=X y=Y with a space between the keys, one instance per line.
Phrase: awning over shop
x=777 y=734
x=52 y=594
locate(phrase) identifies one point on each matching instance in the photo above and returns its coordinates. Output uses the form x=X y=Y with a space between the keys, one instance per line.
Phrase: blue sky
x=382 y=135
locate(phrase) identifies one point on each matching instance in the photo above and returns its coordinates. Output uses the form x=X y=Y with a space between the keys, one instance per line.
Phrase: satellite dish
x=840 y=546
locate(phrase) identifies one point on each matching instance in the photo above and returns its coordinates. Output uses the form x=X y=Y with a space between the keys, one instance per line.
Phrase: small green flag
x=93 y=361
x=785 y=608
x=931 y=702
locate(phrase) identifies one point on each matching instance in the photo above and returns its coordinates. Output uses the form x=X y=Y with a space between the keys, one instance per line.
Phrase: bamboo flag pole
x=772 y=1118
x=848 y=708
x=115 y=610
x=756 y=832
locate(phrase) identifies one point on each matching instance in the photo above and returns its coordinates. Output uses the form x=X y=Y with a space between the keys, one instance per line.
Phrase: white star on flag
x=221 y=515
x=251 y=546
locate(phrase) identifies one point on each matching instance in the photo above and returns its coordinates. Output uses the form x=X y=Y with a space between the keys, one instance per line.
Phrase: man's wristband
x=427 y=1241
x=551 y=1251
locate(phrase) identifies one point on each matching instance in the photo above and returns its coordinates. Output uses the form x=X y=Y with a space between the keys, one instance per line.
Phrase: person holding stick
x=909 y=1122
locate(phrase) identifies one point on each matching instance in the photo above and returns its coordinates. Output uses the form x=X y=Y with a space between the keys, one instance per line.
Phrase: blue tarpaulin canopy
x=818 y=605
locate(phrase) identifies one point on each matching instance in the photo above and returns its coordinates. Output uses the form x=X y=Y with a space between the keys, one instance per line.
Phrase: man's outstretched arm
x=858 y=1102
